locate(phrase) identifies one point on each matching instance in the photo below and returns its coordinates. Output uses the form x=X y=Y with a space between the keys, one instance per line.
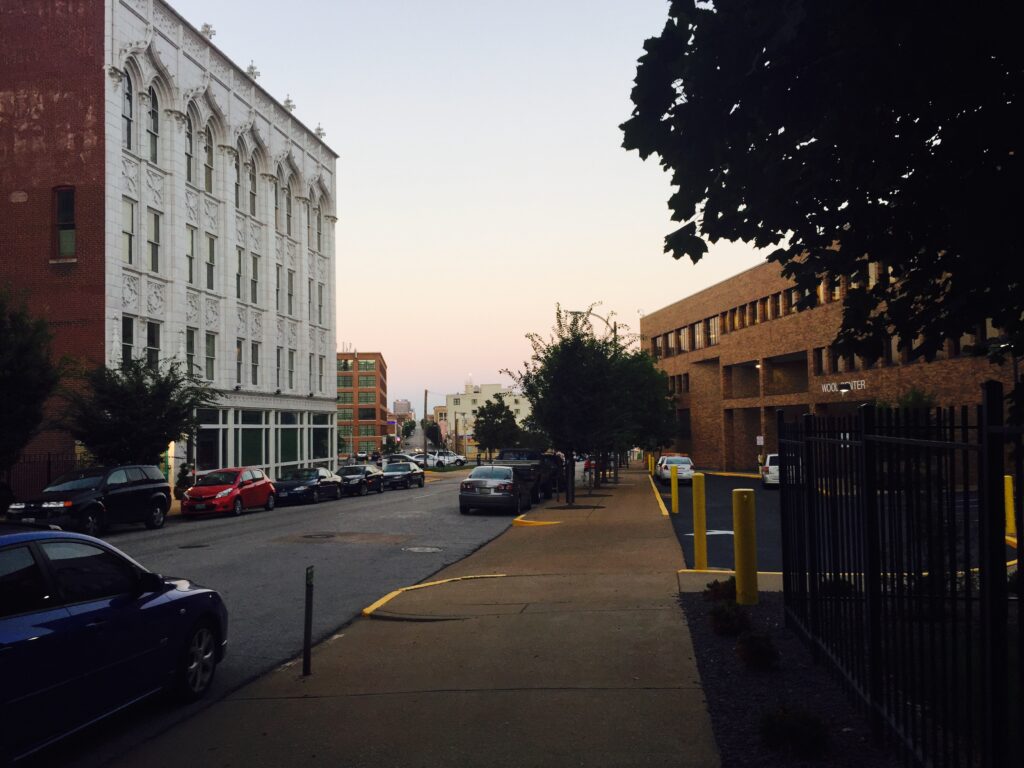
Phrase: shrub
x=728 y=619
x=757 y=651
x=721 y=590
x=794 y=732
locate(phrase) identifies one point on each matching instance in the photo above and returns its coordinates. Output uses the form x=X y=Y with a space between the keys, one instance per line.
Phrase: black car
x=402 y=474
x=360 y=479
x=89 y=500
x=307 y=484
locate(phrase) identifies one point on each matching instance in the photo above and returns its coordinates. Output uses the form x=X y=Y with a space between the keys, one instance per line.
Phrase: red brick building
x=362 y=402
x=737 y=352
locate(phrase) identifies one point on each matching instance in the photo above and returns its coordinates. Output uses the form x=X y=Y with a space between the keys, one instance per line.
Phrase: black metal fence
x=32 y=473
x=896 y=572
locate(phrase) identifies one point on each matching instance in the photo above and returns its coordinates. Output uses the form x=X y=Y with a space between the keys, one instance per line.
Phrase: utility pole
x=425 y=427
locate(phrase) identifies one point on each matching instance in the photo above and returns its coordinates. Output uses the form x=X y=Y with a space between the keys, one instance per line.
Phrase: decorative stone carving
x=256 y=236
x=321 y=269
x=291 y=253
x=165 y=22
x=257 y=325
x=155 y=186
x=138 y=5
x=242 y=318
x=191 y=206
x=240 y=229
x=177 y=116
x=130 y=174
x=130 y=292
x=192 y=307
x=279 y=247
x=311 y=264
x=221 y=69
x=211 y=210
x=212 y=313
x=280 y=330
x=154 y=299
x=265 y=105
x=292 y=334
x=323 y=342
x=192 y=44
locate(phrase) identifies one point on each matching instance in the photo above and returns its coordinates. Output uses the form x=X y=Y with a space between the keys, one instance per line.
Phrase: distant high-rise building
x=362 y=402
x=402 y=407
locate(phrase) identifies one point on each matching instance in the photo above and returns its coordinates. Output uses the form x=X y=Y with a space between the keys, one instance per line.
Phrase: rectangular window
x=367 y=414
x=309 y=300
x=128 y=230
x=456 y=401
x=291 y=369
x=153 y=344
x=310 y=369
x=344 y=365
x=211 y=260
x=277 y=287
x=239 y=269
x=776 y=305
x=190 y=253
x=239 y=343
x=344 y=431
x=320 y=373
x=277 y=376
x=345 y=414
x=698 y=335
x=367 y=381
x=127 y=339
x=819 y=361
x=345 y=397
x=190 y=350
x=320 y=303
x=211 y=355
x=685 y=383
x=153 y=235
x=291 y=291
x=65 y=200
x=344 y=381
x=713 y=325
x=367 y=365
x=367 y=397
x=367 y=430
x=254 y=278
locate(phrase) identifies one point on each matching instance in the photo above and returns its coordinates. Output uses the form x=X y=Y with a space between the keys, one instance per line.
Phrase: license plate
x=28 y=519
x=282 y=494
x=484 y=490
x=201 y=506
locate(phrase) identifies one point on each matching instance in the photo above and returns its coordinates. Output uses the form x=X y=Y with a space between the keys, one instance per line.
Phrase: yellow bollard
x=744 y=539
x=1011 y=520
x=650 y=464
x=700 y=524
x=675 y=490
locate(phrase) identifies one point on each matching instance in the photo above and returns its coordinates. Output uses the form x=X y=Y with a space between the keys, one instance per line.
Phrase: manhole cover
x=421 y=550
x=319 y=536
x=193 y=546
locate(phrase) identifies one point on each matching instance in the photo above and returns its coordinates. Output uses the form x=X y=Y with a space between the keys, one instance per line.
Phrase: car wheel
x=380 y=487
x=271 y=501
x=90 y=522
x=198 y=663
x=316 y=496
x=407 y=484
x=337 y=492
x=459 y=463
x=363 y=490
x=518 y=508
x=236 y=508
x=157 y=515
x=421 y=481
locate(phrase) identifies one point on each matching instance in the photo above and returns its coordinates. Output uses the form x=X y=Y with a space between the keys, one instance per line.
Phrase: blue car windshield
x=77 y=481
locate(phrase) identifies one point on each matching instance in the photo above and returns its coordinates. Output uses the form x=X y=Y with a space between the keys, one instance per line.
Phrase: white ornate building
x=219 y=230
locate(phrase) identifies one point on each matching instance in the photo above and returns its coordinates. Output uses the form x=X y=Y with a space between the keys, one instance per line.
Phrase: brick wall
x=52 y=134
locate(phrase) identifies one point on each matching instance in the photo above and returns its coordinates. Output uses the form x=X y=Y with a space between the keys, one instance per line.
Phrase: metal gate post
x=872 y=566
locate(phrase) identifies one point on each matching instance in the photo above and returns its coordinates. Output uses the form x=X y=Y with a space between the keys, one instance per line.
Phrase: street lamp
x=612 y=325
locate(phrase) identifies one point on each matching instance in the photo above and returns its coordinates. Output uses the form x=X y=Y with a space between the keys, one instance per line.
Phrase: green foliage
x=495 y=425
x=390 y=446
x=794 y=732
x=27 y=377
x=721 y=590
x=433 y=431
x=727 y=618
x=757 y=651
x=815 y=127
x=408 y=427
x=132 y=413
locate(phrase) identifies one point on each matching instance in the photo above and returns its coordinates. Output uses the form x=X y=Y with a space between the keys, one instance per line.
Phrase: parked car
x=307 y=484
x=233 y=490
x=494 y=487
x=86 y=630
x=420 y=460
x=396 y=457
x=360 y=479
x=403 y=474
x=532 y=468
x=89 y=500
x=770 y=471
x=444 y=459
x=683 y=465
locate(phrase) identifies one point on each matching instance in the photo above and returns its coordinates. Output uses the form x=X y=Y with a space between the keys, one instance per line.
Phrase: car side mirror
x=151 y=582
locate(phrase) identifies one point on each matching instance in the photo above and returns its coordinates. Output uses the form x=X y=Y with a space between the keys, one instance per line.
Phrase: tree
x=408 y=427
x=495 y=425
x=132 y=413
x=390 y=446
x=27 y=377
x=433 y=432
x=849 y=134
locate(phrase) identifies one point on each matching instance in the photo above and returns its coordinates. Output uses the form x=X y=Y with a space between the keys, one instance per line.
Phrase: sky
x=481 y=178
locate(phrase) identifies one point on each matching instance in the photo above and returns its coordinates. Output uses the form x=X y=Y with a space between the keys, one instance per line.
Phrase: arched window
x=190 y=156
x=309 y=219
x=319 y=229
x=252 y=186
x=128 y=111
x=153 y=125
x=238 y=177
x=287 y=209
x=208 y=162
x=277 y=201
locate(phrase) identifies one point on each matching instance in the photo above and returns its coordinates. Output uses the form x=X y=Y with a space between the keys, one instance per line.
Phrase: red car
x=229 y=490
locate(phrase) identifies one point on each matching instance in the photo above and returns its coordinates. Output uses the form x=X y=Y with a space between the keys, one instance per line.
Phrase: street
x=361 y=548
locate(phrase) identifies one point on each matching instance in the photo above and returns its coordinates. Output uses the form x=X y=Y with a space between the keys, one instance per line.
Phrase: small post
x=1011 y=519
x=700 y=524
x=745 y=546
x=675 y=490
x=650 y=464
x=307 y=638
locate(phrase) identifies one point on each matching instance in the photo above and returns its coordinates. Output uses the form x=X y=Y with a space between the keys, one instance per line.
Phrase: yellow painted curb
x=368 y=611
x=520 y=521
x=657 y=495
x=751 y=475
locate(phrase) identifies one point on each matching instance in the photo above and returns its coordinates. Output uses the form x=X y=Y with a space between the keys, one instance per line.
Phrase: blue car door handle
x=95 y=624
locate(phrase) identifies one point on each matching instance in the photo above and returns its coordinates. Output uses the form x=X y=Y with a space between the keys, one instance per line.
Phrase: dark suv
x=89 y=500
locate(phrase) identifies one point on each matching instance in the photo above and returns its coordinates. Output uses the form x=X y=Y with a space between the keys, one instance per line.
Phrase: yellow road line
x=725 y=570
x=751 y=475
x=657 y=495
x=523 y=522
x=368 y=611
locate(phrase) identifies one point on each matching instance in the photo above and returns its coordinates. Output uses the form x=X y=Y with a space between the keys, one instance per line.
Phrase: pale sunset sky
x=481 y=178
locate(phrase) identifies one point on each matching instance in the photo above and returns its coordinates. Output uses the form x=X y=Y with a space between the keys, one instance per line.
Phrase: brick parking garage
x=739 y=351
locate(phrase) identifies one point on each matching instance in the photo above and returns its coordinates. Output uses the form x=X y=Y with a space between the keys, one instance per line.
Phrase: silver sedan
x=493 y=487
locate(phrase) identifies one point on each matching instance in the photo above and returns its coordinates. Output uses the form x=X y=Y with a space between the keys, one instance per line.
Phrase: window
x=345 y=397
x=152 y=344
x=319 y=229
x=819 y=361
x=836 y=292
x=252 y=187
x=794 y=299
x=344 y=365
x=211 y=355
x=776 y=305
x=345 y=414
x=127 y=340
x=239 y=268
x=190 y=137
x=287 y=209
x=239 y=343
x=291 y=369
x=456 y=401
x=344 y=381
x=366 y=414
x=367 y=430
x=208 y=160
x=277 y=202
x=309 y=221
x=87 y=572
x=22 y=588
x=309 y=300
x=238 y=180
x=277 y=287
x=291 y=291
x=277 y=375
x=190 y=253
x=367 y=365
x=345 y=431
x=320 y=303
x=320 y=373
x=153 y=240
x=367 y=397
x=153 y=125
x=127 y=112
x=254 y=278
x=65 y=200
x=211 y=258
x=713 y=325
x=128 y=230
x=698 y=330
x=367 y=381
x=190 y=350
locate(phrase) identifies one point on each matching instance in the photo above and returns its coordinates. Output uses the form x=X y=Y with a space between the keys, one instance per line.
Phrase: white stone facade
x=461 y=408
x=220 y=214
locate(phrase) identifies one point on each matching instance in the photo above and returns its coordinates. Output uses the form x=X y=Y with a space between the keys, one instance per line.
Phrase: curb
x=657 y=495
x=370 y=609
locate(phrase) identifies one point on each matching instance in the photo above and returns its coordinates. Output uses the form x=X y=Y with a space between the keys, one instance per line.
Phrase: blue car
x=86 y=631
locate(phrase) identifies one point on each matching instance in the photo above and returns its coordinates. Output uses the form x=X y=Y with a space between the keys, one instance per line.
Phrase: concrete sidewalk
x=576 y=653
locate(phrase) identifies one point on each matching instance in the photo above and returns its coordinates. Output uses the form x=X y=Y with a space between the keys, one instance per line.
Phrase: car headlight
x=185 y=496
x=56 y=504
x=354 y=480
x=300 y=488
x=17 y=505
x=222 y=494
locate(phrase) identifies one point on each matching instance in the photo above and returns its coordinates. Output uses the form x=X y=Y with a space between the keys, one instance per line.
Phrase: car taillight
x=505 y=487
x=467 y=486
x=764 y=470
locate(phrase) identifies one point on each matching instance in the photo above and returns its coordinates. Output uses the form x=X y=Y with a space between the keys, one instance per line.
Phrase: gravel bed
x=737 y=697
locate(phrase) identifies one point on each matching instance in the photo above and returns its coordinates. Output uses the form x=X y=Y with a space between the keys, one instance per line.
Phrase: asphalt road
x=361 y=549
x=718 y=496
